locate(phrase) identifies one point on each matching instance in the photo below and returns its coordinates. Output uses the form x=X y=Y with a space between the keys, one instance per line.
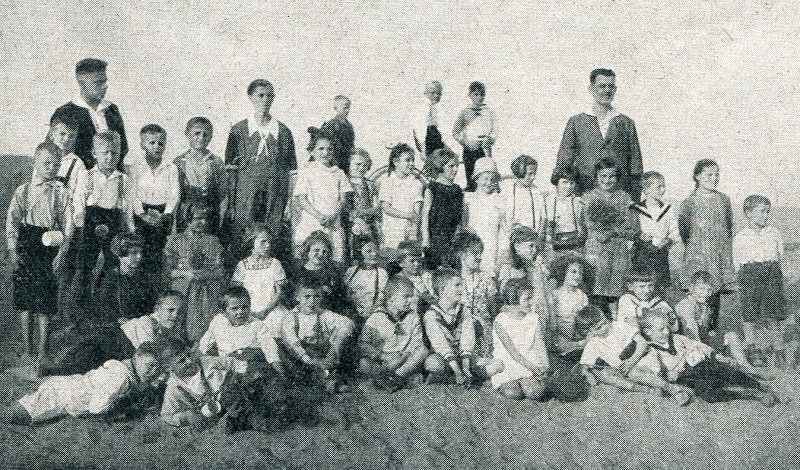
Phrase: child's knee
x=533 y=388
x=435 y=364
x=491 y=366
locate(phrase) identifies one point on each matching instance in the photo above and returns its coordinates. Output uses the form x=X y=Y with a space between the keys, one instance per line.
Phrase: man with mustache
x=601 y=132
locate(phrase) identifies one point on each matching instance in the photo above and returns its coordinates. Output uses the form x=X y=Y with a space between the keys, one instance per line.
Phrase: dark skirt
x=35 y=285
x=761 y=292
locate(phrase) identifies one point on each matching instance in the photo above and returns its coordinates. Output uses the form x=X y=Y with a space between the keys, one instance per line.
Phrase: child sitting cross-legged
x=391 y=341
x=366 y=281
x=192 y=395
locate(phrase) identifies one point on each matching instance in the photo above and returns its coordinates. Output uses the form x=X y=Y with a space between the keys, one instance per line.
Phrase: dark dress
x=447 y=201
x=86 y=131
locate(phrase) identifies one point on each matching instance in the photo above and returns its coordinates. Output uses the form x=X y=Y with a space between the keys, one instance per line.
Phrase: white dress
x=260 y=280
x=485 y=218
x=565 y=307
x=528 y=337
x=402 y=194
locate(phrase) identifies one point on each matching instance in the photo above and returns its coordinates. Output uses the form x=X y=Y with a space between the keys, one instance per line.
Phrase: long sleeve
x=233 y=149
x=174 y=189
x=370 y=342
x=438 y=336
x=685 y=220
x=568 y=148
x=14 y=218
x=728 y=216
x=208 y=339
x=459 y=125
x=636 y=167
x=109 y=383
x=289 y=335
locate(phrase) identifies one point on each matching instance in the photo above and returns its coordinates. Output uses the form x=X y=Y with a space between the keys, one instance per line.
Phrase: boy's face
x=134 y=257
x=658 y=331
x=433 y=93
x=759 y=215
x=262 y=99
x=93 y=85
x=309 y=301
x=63 y=136
x=185 y=366
x=358 y=165
x=702 y=291
x=574 y=275
x=237 y=311
x=603 y=89
x=401 y=301
x=167 y=312
x=318 y=253
x=453 y=288
x=154 y=144
x=411 y=264
x=147 y=368
x=526 y=250
x=655 y=189
x=342 y=108
x=369 y=253
x=643 y=290
x=46 y=164
x=199 y=137
x=565 y=187
x=450 y=169
x=106 y=154
x=199 y=222
x=471 y=258
x=607 y=178
x=476 y=97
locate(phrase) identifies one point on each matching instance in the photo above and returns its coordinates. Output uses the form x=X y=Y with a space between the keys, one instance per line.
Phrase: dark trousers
x=709 y=378
x=155 y=239
x=470 y=157
x=35 y=285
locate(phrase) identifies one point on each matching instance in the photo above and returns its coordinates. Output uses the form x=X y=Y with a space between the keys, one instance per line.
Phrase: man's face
x=93 y=85
x=603 y=90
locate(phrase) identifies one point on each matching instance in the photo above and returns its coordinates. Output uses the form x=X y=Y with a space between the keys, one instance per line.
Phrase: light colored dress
x=527 y=334
x=484 y=216
x=705 y=222
x=610 y=257
x=402 y=194
x=260 y=278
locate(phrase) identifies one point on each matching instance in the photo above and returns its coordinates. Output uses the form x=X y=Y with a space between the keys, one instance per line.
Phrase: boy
x=156 y=194
x=475 y=130
x=391 y=341
x=757 y=253
x=93 y=393
x=342 y=132
x=160 y=323
x=317 y=338
x=412 y=266
x=640 y=297
x=659 y=230
x=427 y=137
x=192 y=396
x=361 y=204
x=91 y=111
x=39 y=228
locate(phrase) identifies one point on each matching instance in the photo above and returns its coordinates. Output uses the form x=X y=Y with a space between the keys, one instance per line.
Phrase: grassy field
x=430 y=427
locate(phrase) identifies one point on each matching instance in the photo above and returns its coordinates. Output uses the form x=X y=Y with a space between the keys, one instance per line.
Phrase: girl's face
x=485 y=182
x=526 y=250
x=471 y=258
x=411 y=265
x=132 y=260
x=530 y=174
x=358 y=165
x=199 y=137
x=369 y=254
x=526 y=299
x=262 y=98
x=404 y=164
x=318 y=254
x=237 y=310
x=167 y=312
x=574 y=275
x=450 y=169
x=708 y=178
x=607 y=178
x=309 y=301
x=453 y=289
x=199 y=223
x=322 y=152
x=401 y=301
x=565 y=187
x=262 y=244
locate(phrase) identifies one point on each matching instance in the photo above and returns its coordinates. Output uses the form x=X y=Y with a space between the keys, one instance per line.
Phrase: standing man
x=601 y=132
x=427 y=137
x=92 y=111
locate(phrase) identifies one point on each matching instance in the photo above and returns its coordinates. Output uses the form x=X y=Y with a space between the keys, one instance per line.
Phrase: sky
x=713 y=79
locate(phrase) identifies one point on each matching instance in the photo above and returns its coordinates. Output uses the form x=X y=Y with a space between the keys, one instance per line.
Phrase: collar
x=646 y=211
x=79 y=101
x=611 y=114
x=477 y=109
x=646 y=303
x=38 y=181
x=270 y=129
x=114 y=174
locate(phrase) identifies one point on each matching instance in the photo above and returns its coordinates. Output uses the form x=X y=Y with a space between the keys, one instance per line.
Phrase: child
x=341 y=131
x=366 y=282
x=640 y=297
x=193 y=264
x=519 y=344
x=442 y=205
x=93 y=393
x=483 y=212
x=524 y=247
x=320 y=192
x=317 y=337
x=362 y=209
x=757 y=253
x=692 y=366
x=39 y=228
x=425 y=132
x=400 y=196
x=192 y=395
x=705 y=223
x=159 y=324
x=570 y=275
x=480 y=289
x=262 y=275
x=124 y=291
x=318 y=268
x=524 y=202
x=474 y=129
x=201 y=175
x=611 y=228
x=156 y=190
x=391 y=341
x=450 y=329
x=411 y=261
x=565 y=213
x=659 y=231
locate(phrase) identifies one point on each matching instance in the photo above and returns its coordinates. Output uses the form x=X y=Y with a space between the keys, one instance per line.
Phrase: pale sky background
x=701 y=79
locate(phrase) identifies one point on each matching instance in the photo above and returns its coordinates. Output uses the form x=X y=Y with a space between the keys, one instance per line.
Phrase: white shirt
x=524 y=206
x=98 y=115
x=76 y=184
x=425 y=114
x=324 y=186
x=750 y=246
x=230 y=339
x=154 y=186
x=658 y=222
x=605 y=121
x=271 y=128
x=141 y=329
x=630 y=308
x=608 y=348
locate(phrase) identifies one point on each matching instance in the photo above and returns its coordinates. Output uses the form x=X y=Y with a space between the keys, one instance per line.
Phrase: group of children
x=401 y=280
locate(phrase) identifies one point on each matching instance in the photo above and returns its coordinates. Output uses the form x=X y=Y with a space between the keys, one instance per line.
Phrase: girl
x=124 y=291
x=262 y=275
x=320 y=193
x=519 y=344
x=201 y=174
x=566 y=228
x=318 y=269
x=193 y=262
x=442 y=206
x=567 y=300
x=400 y=197
x=705 y=223
x=611 y=229
x=365 y=282
x=483 y=212
x=524 y=247
x=524 y=202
